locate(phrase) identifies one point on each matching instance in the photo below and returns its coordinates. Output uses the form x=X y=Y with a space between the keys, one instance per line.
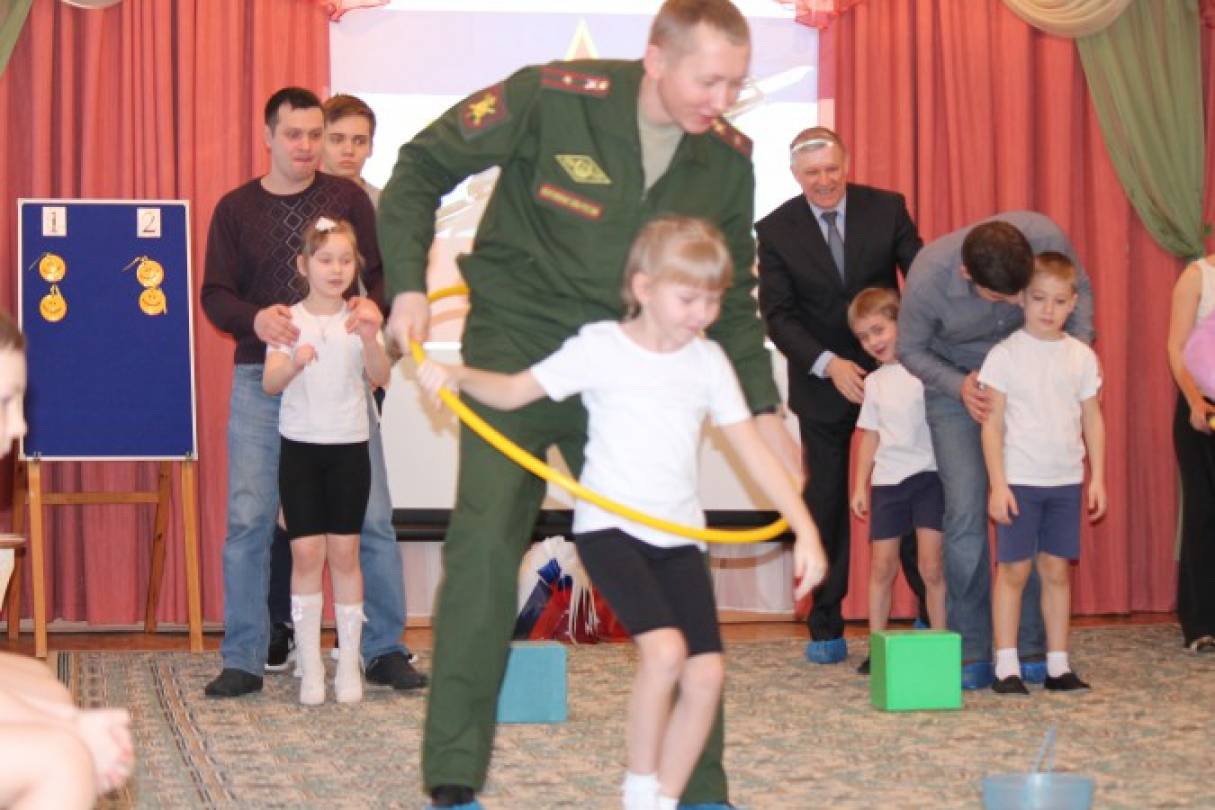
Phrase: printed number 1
x=54 y=220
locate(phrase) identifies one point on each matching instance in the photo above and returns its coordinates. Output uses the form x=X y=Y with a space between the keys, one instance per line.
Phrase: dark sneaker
x=233 y=683
x=450 y=795
x=394 y=669
x=282 y=642
x=864 y=667
x=1067 y=682
x=1012 y=685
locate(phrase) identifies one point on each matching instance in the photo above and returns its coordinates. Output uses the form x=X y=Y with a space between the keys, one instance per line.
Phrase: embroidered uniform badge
x=583 y=169
x=483 y=111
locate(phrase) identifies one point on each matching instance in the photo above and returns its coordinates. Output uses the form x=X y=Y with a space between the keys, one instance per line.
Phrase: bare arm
x=1186 y=293
x=365 y=320
x=506 y=392
x=1093 y=424
x=281 y=368
x=866 y=451
x=1001 y=504
x=776 y=437
x=809 y=561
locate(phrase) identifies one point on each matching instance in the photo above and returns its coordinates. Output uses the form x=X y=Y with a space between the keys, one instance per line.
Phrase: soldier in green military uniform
x=589 y=151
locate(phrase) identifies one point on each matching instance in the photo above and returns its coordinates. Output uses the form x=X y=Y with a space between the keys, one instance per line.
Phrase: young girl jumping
x=324 y=468
x=647 y=384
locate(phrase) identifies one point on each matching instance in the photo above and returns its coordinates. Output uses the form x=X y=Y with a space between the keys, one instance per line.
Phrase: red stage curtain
x=969 y=111
x=147 y=99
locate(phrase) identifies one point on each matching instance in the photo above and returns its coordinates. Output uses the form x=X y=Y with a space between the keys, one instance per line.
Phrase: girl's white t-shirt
x=646 y=412
x=326 y=403
x=894 y=407
x=1044 y=382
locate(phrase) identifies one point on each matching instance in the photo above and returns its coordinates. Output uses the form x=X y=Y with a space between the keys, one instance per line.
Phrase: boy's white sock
x=667 y=803
x=640 y=791
x=1056 y=664
x=1007 y=663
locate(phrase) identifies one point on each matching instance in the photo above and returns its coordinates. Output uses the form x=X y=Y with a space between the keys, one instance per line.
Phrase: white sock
x=667 y=803
x=1056 y=664
x=1007 y=663
x=640 y=791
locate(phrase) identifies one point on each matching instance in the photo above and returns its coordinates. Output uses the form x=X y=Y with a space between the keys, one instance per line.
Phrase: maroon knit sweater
x=251 y=249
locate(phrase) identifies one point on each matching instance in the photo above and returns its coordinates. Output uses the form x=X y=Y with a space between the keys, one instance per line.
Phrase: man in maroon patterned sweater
x=249 y=285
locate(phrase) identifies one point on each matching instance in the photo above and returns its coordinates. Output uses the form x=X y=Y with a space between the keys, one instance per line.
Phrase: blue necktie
x=835 y=241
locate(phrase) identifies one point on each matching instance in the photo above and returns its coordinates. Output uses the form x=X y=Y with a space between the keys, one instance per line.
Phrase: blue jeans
x=253 y=445
x=959 y=453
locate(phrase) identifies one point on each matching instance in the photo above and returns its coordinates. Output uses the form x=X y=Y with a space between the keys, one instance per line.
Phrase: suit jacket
x=803 y=299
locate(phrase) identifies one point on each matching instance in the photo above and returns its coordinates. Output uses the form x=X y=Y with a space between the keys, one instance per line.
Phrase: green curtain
x=12 y=20
x=1145 y=78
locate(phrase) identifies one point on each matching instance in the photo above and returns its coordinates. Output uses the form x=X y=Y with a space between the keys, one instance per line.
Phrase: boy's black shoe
x=864 y=667
x=282 y=642
x=451 y=795
x=393 y=669
x=1067 y=682
x=1012 y=685
x=233 y=683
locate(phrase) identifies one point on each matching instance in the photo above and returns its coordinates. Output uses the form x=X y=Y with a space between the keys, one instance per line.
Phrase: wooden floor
x=420 y=637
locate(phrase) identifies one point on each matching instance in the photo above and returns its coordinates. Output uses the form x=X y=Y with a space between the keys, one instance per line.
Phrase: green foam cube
x=913 y=670
x=533 y=688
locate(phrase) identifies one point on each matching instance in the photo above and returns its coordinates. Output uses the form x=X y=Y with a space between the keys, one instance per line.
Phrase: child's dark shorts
x=916 y=502
x=1047 y=520
x=649 y=587
x=323 y=487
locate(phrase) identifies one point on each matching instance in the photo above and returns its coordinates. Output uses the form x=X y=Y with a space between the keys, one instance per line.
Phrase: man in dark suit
x=816 y=252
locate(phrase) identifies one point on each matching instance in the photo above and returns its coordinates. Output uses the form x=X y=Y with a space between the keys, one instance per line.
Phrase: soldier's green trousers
x=496 y=506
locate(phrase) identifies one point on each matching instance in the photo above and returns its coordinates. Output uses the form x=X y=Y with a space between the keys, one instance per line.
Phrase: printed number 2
x=147 y=223
x=54 y=220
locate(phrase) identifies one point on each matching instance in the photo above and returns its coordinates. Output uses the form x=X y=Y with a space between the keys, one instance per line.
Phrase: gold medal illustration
x=152 y=301
x=52 y=268
x=150 y=272
x=53 y=305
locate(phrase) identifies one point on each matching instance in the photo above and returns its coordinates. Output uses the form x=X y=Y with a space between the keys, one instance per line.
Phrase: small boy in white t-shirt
x=895 y=451
x=1043 y=384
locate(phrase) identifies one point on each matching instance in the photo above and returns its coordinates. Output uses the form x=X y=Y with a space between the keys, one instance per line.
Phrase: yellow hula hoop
x=542 y=470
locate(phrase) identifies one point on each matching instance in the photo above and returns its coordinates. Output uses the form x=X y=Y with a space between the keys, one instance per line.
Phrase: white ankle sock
x=640 y=791
x=1056 y=664
x=1007 y=663
x=667 y=803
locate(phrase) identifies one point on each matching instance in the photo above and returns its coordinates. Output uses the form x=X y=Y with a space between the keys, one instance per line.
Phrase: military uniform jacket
x=550 y=251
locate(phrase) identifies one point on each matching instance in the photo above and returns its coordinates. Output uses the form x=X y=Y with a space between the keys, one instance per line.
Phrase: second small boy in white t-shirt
x=896 y=452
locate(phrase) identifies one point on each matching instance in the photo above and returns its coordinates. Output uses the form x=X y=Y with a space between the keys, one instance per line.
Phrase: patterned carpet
x=799 y=736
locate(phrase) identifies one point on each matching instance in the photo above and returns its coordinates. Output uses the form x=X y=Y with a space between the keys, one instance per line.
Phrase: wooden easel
x=27 y=489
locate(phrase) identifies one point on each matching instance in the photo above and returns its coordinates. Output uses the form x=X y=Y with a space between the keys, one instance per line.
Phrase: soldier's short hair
x=882 y=301
x=674 y=22
x=682 y=249
x=343 y=106
x=10 y=334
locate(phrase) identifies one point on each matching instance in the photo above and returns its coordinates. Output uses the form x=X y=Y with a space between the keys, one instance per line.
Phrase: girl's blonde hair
x=321 y=229
x=681 y=249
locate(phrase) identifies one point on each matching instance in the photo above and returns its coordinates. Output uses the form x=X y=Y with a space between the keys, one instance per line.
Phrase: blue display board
x=114 y=377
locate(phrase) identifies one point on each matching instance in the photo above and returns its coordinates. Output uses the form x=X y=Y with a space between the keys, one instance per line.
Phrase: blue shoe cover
x=827 y=652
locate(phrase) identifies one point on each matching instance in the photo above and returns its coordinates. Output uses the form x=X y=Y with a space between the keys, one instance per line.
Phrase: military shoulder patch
x=573 y=81
x=483 y=111
x=569 y=201
x=583 y=169
x=725 y=132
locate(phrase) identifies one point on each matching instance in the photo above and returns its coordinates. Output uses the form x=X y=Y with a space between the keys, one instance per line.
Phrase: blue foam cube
x=534 y=686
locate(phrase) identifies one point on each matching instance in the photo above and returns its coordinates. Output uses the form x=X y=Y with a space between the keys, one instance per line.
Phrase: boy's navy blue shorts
x=916 y=502
x=1048 y=520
